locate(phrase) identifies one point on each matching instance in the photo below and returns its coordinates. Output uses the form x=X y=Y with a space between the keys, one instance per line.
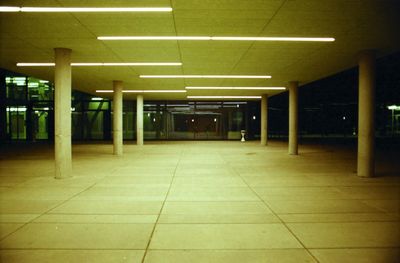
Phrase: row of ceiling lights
x=200 y=38
x=184 y=91
x=195 y=88
x=201 y=97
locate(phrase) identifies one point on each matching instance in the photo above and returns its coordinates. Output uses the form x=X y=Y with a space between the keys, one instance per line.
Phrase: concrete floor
x=198 y=202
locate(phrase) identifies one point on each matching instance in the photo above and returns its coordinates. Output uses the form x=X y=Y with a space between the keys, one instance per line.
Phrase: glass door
x=16 y=122
x=40 y=123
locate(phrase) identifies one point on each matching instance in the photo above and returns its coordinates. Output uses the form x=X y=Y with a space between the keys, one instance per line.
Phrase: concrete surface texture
x=198 y=202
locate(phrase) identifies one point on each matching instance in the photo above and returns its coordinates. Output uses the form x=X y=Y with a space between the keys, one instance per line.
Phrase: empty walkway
x=198 y=202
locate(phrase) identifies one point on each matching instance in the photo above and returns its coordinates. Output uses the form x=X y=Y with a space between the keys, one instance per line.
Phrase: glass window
x=16 y=88
x=39 y=89
x=16 y=122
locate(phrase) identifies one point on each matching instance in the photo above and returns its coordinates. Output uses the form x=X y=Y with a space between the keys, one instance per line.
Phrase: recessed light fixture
x=96 y=64
x=306 y=39
x=235 y=88
x=83 y=9
x=154 y=91
x=153 y=38
x=224 y=97
x=393 y=107
x=301 y=39
x=143 y=91
x=205 y=76
x=36 y=64
x=105 y=91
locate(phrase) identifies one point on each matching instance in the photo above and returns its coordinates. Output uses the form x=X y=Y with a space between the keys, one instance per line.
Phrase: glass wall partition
x=129 y=120
x=41 y=121
x=16 y=122
x=188 y=120
x=91 y=120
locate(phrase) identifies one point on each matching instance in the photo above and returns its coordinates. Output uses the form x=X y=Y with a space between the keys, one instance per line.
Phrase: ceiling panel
x=127 y=23
x=42 y=25
x=356 y=25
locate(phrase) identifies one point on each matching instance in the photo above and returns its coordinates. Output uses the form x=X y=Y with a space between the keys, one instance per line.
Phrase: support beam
x=62 y=113
x=117 y=118
x=293 y=117
x=264 y=119
x=366 y=115
x=139 y=120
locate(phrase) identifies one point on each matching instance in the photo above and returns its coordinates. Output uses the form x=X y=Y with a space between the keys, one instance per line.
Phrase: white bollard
x=243 y=132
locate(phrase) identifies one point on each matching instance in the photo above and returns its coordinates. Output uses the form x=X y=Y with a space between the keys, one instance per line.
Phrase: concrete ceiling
x=356 y=25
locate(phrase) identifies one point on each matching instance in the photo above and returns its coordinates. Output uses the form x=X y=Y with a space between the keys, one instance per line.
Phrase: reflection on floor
x=198 y=202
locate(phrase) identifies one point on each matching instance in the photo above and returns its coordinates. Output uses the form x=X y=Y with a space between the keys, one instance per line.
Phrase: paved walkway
x=198 y=202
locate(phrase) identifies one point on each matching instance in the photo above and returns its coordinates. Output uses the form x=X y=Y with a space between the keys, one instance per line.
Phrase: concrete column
x=117 y=118
x=158 y=121
x=293 y=117
x=3 y=108
x=62 y=113
x=366 y=115
x=264 y=119
x=139 y=120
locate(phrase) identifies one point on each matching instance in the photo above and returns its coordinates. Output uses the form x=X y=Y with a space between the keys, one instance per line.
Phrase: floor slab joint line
x=39 y=215
x=161 y=209
x=273 y=212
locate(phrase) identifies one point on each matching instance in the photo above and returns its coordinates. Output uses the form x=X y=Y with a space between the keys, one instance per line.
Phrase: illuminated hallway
x=198 y=202
x=98 y=100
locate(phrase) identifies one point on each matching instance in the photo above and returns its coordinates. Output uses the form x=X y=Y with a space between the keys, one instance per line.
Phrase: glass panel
x=206 y=126
x=94 y=125
x=129 y=125
x=207 y=122
x=16 y=88
x=17 y=122
x=39 y=89
x=77 y=125
x=40 y=124
x=194 y=120
x=149 y=125
x=180 y=118
x=97 y=105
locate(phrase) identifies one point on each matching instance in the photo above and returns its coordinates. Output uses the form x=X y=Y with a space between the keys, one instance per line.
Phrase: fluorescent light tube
x=224 y=97
x=87 y=64
x=307 y=39
x=301 y=39
x=36 y=64
x=143 y=91
x=9 y=9
x=97 y=64
x=144 y=64
x=105 y=91
x=154 y=91
x=84 y=9
x=393 y=107
x=206 y=76
x=151 y=38
x=235 y=88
